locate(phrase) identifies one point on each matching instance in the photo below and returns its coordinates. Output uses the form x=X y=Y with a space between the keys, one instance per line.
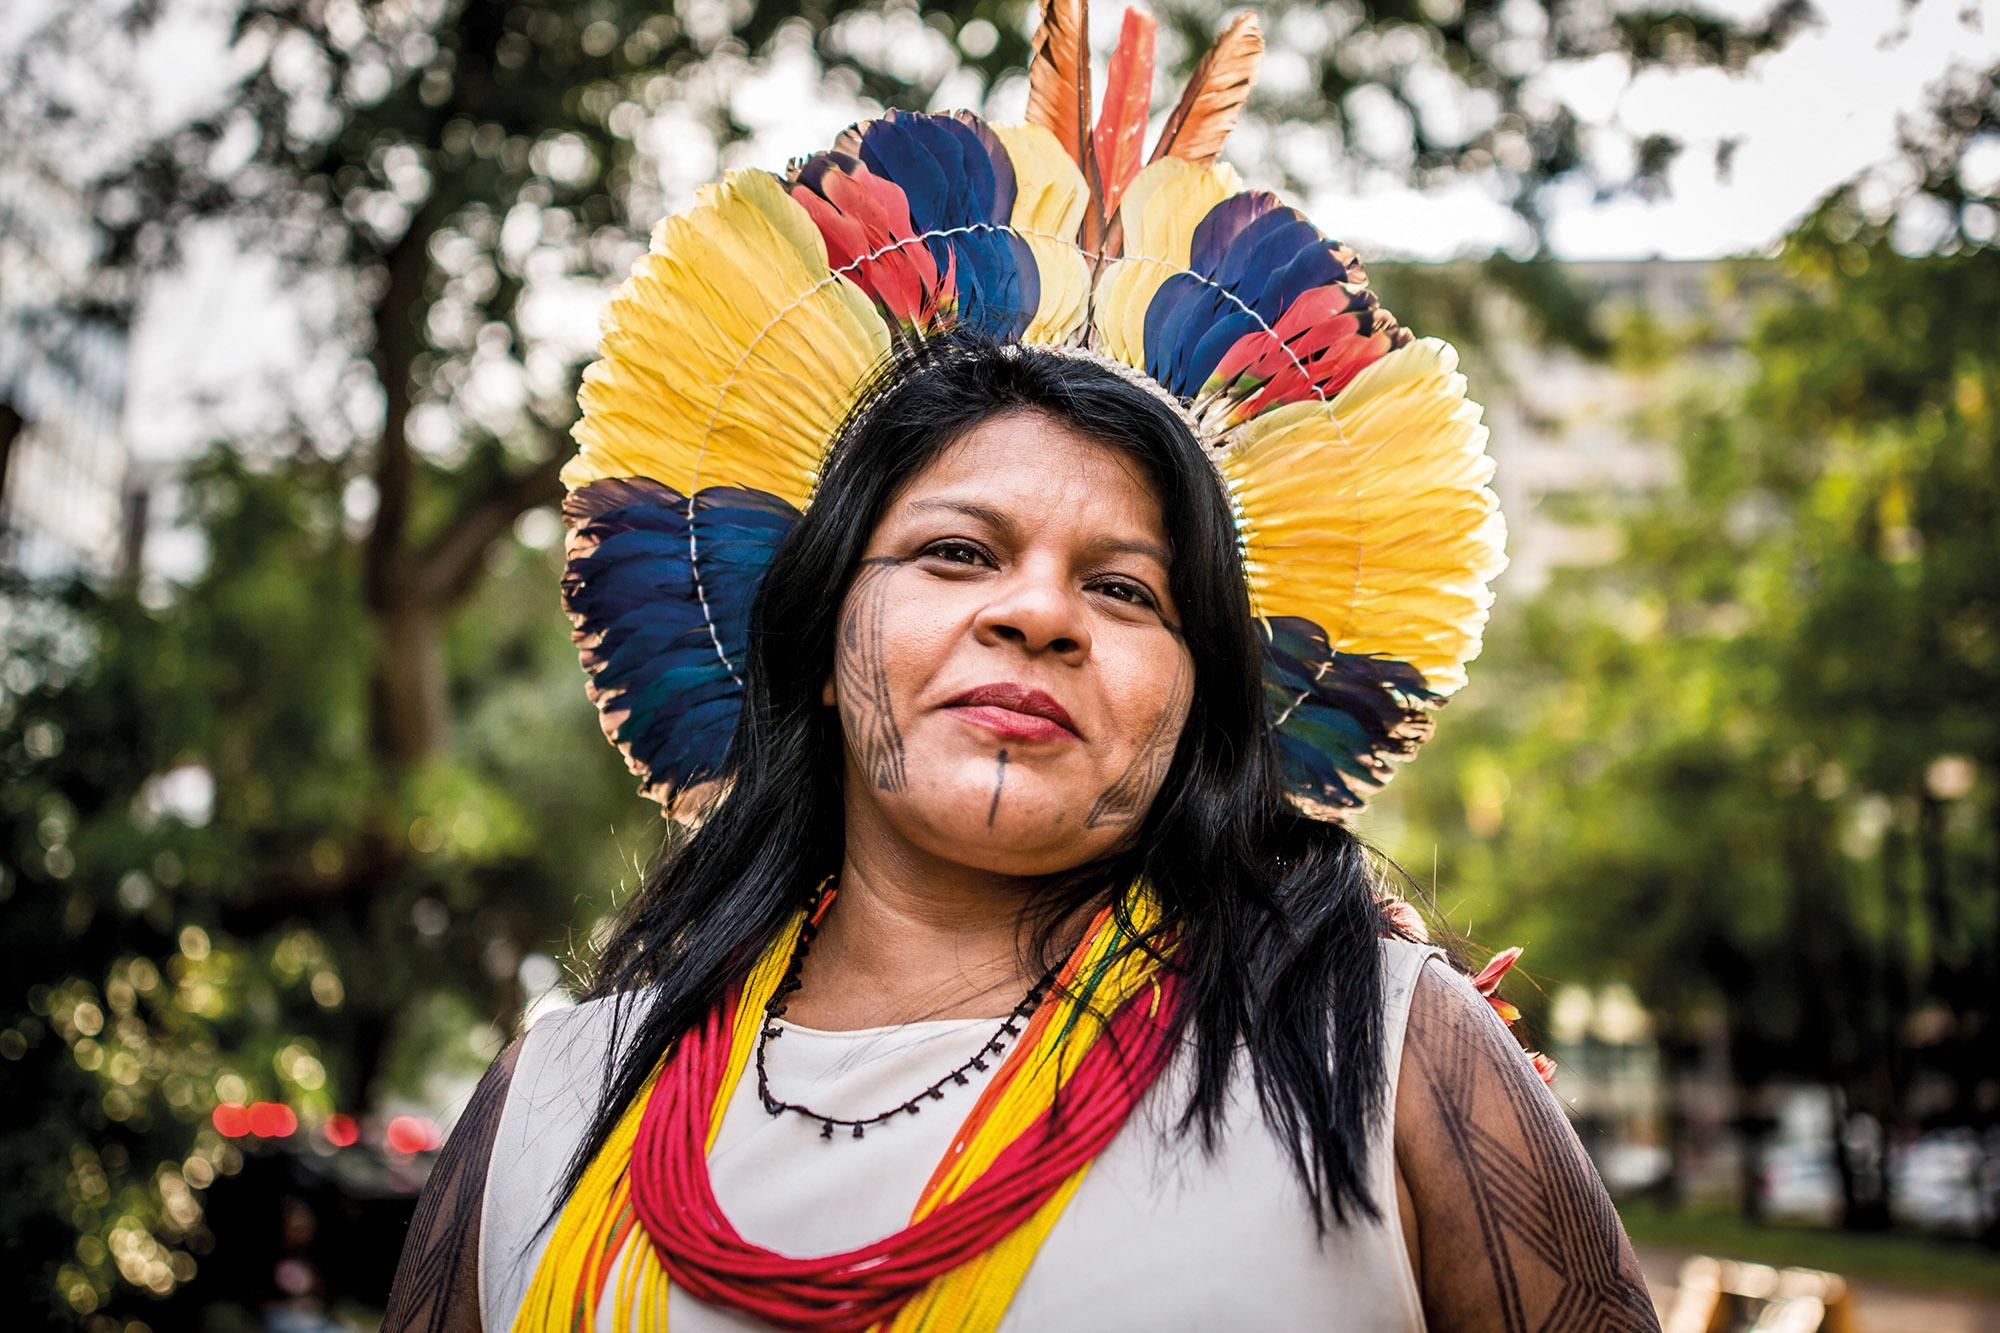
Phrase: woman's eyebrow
x=993 y=518
x=1124 y=546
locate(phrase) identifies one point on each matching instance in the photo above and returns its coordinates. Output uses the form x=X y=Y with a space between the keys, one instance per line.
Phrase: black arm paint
x=1539 y=1207
x=436 y=1288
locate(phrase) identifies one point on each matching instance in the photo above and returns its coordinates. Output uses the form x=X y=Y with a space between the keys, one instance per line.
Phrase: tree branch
x=449 y=564
x=11 y=425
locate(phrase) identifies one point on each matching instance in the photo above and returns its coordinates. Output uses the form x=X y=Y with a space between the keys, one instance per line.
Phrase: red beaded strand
x=701 y=1250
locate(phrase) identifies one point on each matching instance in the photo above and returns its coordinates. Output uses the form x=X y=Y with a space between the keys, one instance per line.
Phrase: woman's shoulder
x=437 y=1279
x=566 y=1052
x=1403 y=959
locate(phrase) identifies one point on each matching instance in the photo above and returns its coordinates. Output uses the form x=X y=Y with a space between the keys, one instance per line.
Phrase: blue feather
x=1005 y=187
x=950 y=176
x=659 y=592
x=1218 y=230
x=1185 y=301
x=1346 y=717
x=1271 y=238
x=1258 y=257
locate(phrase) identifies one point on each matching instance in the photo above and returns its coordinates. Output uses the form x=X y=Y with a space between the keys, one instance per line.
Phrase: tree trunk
x=409 y=715
x=1864 y=1177
x=1753 y=1128
x=11 y=425
x=1931 y=857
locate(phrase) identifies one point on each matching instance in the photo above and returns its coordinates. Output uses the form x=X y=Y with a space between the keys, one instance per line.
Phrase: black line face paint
x=999 y=777
x=1123 y=801
x=861 y=670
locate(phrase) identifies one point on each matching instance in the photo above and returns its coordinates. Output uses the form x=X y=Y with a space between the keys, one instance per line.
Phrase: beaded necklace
x=644 y=1212
x=995 y=1045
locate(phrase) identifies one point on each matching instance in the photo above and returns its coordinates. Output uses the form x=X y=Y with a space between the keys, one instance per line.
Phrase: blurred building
x=1567 y=427
x=66 y=503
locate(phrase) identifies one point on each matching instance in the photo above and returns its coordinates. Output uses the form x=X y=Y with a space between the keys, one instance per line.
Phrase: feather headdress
x=1355 y=464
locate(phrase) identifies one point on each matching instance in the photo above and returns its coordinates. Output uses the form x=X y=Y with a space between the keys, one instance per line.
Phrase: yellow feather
x=1371 y=515
x=1165 y=203
x=1049 y=200
x=1049 y=194
x=730 y=355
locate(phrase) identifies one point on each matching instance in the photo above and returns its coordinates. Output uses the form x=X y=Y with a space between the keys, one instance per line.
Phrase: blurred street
x=1878 y=1307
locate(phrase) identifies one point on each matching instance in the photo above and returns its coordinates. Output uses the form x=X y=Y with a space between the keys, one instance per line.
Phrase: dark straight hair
x=1276 y=913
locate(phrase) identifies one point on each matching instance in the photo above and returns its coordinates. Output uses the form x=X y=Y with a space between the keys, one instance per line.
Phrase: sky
x=1805 y=118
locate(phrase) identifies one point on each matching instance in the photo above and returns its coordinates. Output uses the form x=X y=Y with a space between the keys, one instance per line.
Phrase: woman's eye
x=1127 y=592
x=956 y=552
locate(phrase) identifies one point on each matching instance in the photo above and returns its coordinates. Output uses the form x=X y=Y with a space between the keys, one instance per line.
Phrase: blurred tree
x=183 y=787
x=1752 y=765
x=454 y=168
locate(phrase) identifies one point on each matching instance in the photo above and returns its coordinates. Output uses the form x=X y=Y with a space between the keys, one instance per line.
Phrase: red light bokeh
x=272 y=1120
x=411 y=1134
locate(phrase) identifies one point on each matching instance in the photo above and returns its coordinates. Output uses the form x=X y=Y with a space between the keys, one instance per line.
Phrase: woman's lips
x=1017 y=712
x=1012 y=725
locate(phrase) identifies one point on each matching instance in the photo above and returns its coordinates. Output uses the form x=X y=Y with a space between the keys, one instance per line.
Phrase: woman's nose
x=1037 y=611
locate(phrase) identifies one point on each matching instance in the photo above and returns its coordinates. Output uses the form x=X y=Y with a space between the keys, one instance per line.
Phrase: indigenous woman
x=1006 y=559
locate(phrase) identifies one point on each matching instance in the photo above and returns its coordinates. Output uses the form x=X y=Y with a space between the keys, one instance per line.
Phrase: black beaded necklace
x=1010 y=1027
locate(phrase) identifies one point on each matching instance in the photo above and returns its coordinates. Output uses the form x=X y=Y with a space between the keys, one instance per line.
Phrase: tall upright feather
x=1120 y=140
x=1214 y=95
x=1059 y=84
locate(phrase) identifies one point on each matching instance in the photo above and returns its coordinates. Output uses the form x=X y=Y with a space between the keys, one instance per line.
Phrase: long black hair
x=1275 y=913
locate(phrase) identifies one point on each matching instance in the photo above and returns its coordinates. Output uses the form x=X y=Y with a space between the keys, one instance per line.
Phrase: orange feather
x=1214 y=95
x=1128 y=96
x=1059 y=77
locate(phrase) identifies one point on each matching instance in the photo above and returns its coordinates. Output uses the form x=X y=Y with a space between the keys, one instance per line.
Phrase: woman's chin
x=1018 y=826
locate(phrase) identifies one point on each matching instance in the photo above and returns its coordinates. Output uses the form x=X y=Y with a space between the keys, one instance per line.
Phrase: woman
x=1006 y=560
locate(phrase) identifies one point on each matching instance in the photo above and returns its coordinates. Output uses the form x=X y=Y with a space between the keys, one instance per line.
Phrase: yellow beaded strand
x=973 y=1297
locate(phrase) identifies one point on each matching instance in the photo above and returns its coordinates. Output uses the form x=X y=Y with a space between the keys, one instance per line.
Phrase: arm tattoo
x=437 y=1282
x=1125 y=798
x=861 y=668
x=1536 y=1206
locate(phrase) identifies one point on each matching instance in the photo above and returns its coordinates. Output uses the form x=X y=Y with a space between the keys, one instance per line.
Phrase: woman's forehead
x=1029 y=465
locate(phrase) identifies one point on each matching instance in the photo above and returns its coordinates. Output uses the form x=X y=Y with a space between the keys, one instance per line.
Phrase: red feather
x=1326 y=337
x=1059 y=86
x=1120 y=140
x=1059 y=77
x=862 y=218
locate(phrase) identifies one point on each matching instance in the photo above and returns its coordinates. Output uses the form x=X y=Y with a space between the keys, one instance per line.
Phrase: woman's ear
x=826 y=695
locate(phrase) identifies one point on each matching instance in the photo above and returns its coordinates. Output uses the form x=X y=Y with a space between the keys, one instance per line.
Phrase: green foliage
x=244 y=929
x=1752 y=764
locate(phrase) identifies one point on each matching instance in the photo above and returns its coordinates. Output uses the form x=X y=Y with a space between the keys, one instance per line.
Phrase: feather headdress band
x=742 y=341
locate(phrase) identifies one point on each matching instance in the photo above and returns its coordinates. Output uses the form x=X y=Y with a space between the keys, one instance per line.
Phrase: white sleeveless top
x=1160 y=1235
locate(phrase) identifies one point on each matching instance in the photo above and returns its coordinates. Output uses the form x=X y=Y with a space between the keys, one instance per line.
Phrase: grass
x=1923 y=1263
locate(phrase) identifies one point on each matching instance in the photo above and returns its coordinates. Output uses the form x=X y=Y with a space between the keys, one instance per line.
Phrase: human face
x=1010 y=672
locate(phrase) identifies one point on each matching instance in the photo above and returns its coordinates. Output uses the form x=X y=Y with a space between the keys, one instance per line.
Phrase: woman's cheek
x=1157 y=695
